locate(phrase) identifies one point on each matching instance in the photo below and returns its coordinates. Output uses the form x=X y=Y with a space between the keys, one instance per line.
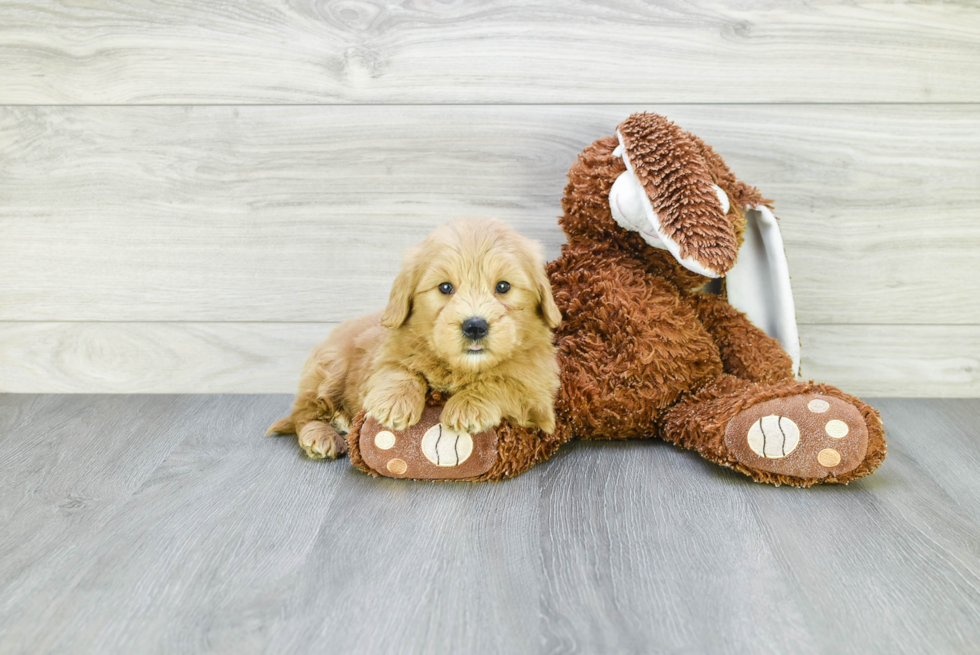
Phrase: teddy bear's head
x=655 y=187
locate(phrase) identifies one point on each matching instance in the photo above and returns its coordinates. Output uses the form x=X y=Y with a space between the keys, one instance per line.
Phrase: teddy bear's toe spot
x=836 y=429
x=818 y=406
x=384 y=440
x=397 y=466
x=828 y=457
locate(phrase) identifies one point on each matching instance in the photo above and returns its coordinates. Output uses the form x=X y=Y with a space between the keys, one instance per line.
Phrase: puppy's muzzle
x=475 y=328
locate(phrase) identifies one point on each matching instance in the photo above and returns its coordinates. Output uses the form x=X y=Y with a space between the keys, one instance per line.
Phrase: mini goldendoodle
x=470 y=314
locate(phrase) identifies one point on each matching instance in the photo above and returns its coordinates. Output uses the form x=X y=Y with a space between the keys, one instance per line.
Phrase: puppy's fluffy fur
x=386 y=362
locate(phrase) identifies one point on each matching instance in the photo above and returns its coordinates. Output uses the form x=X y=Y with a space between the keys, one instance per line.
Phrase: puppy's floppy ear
x=539 y=279
x=402 y=291
x=549 y=310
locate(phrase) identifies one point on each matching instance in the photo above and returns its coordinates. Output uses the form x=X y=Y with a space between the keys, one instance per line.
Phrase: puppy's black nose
x=475 y=328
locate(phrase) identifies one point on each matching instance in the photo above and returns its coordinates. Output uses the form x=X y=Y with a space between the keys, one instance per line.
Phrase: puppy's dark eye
x=503 y=287
x=446 y=288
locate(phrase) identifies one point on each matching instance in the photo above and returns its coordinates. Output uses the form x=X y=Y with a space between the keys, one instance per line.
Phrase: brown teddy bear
x=649 y=344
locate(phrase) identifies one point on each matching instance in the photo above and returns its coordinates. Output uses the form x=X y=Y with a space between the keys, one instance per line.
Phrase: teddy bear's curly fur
x=644 y=352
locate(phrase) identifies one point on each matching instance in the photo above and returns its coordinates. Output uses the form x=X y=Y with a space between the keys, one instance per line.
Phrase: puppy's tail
x=282 y=426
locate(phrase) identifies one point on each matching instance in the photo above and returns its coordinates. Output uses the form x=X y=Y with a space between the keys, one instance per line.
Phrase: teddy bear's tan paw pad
x=319 y=440
x=806 y=436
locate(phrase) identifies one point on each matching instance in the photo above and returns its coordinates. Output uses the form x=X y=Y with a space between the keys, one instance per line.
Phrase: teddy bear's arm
x=746 y=351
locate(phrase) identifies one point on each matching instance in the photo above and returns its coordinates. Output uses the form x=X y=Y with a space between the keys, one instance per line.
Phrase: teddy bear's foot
x=787 y=432
x=428 y=450
x=805 y=436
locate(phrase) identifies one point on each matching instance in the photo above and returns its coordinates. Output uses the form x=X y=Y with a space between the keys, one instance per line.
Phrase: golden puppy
x=470 y=314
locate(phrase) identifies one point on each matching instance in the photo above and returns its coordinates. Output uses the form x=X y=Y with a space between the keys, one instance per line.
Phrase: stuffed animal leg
x=431 y=451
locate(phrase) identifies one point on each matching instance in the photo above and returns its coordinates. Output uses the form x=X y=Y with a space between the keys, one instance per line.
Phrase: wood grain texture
x=167 y=524
x=305 y=51
x=301 y=213
x=867 y=360
x=894 y=360
x=155 y=357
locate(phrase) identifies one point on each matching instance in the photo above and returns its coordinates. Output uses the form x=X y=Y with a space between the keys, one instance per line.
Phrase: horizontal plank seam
x=511 y=104
x=871 y=400
x=337 y=322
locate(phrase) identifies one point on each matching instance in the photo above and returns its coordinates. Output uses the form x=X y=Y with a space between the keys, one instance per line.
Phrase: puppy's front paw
x=543 y=418
x=319 y=440
x=398 y=411
x=466 y=413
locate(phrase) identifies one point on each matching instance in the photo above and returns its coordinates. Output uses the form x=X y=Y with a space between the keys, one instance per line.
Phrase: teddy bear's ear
x=759 y=283
x=686 y=209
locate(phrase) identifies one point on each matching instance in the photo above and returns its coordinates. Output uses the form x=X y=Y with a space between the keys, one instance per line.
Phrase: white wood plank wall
x=193 y=193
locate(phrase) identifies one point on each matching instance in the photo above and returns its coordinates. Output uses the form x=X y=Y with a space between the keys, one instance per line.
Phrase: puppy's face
x=476 y=293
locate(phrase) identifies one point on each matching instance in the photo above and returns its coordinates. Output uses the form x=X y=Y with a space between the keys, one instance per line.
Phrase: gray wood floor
x=169 y=524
